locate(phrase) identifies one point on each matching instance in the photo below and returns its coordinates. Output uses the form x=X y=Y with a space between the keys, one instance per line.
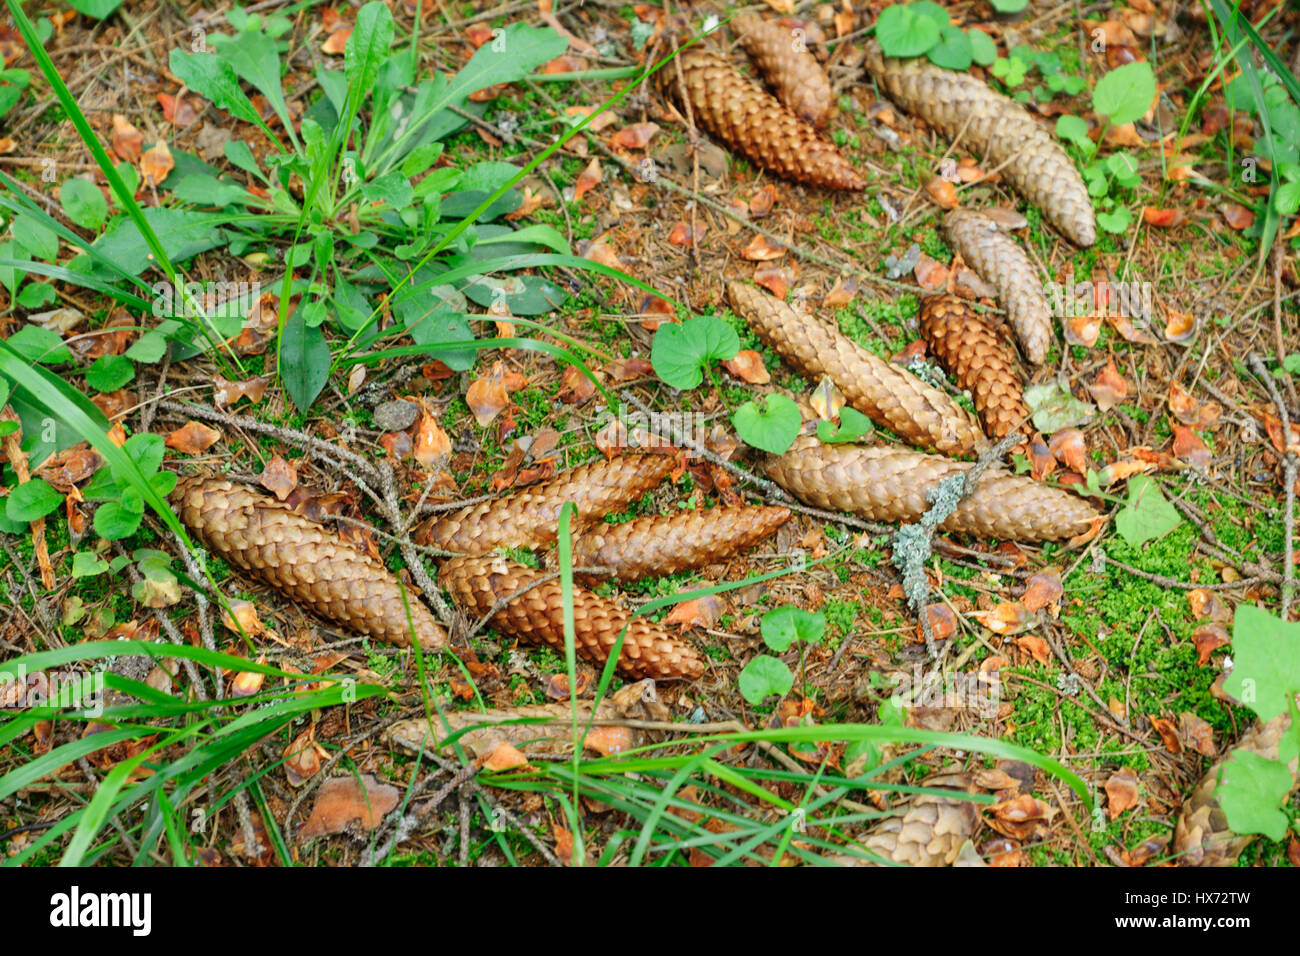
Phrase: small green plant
x=771 y=423
x=853 y=426
x=1121 y=96
x=1254 y=789
x=923 y=28
x=765 y=675
x=681 y=353
x=1147 y=514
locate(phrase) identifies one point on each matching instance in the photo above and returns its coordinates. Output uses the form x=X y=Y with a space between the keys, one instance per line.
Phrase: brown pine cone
x=930 y=832
x=537 y=616
x=303 y=560
x=890 y=484
x=793 y=73
x=978 y=360
x=1000 y=261
x=666 y=545
x=1202 y=836
x=529 y=517
x=887 y=394
x=999 y=129
x=751 y=121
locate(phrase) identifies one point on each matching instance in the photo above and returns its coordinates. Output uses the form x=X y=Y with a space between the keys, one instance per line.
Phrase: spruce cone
x=997 y=127
x=793 y=73
x=659 y=545
x=977 y=359
x=890 y=484
x=1202 y=836
x=751 y=121
x=537 y=616
x=915 y=411
x=929 y=833
x=1000 y=261
x=303 y=560
x=529 y=517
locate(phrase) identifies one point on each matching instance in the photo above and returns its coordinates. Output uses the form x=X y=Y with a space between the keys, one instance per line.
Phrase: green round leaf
x=679 y=353
x=119 y=519
x=1125 y=93
x=1009 y=6
x=853 y=425
x=108 y=373
x=983 y=50
x=1116 y=221
x=783 y=625
x=87 y=564
x=1148 y=514
x=772 y=425
x=932 y=10
x=763 y=677
x=84 y=203
x=902 y=31
x=1073 y=129
x=953 y=51
x=31 y=500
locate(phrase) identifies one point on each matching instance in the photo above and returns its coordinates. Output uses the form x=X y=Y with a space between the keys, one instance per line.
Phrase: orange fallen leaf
x=1179 y=326
x=1189 y=447
x=1036 y=646
x=601 y=252
x=1238 y=217
x=336 y=43
x=588 y=179
x=762 y=249
x=1196 y=734
x=279 y=477
x=930 y=273
x=636 y=136
x=610 y=740
x=681 y=234
x=127 y=140
x=841 y=294
x=762 y=201
x=228 y=393
x=748 y=367
x=1083 y=330
x=348 y=801
x=575 y=387
x=504 y=756
x=1168 y=734
x=1069 y=448
x=1207 y=639
x=1163 y=218
x=177 y=110
x=487 y=397
x=193 y=437
x=303 y=757
x=943 y=192
x=1109 y=389
x=775 y=279
x=1121 y=792
x=1044 y=589
x=156 y=164
x=700 y=612
x=431 y=446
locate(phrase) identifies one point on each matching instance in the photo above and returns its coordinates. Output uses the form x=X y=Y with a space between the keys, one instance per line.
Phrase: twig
x=1289 y=469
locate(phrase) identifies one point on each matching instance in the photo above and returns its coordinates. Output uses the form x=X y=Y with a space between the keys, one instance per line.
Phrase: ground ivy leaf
x=679 y=353
x=953 y=51
x=108 y=373
x=771 y=424
x=1251 y=790
x=1055 y=408
x=87 y=564
x=783 y=625
x=906 y=31
x=1125 y=93
x=1266 y=655
x=763 y=677
x=31 y=500
x=1148 y=514
x=853 y=425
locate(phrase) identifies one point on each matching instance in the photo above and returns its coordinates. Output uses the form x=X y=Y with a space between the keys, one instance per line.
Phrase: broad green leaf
x=1125 y=93
x=369 y=46
x=770 y=424
x=902 y=31
x=679 y=353
x=954 y=50
x=200 y=190
x=240 y=156
x=119 y=519
x=108 y=373
x=253 y=56
x=31 y=500
x=304 y=361
x=1251 y=791
x=782 y=626
x=40 y=242
x=182 y=232
x=1054 y=408
x=1115 y=221
x=392 y=188
x=1075 y=130
x=511 y=55
x=1009 y=6
x=36 y=295
x=212 y=77
x=39 y=344
x=853 y=425
x=1148 y=514
x=764 y=676
x=983 y=50
x=86 y=564
x=99 y=9
x=1266 y=661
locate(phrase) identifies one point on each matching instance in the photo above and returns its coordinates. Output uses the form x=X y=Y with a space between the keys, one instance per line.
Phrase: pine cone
x=890 y=484
x=1202 y=836
x=303 y=560
x=793 y=73
x=751 y=121
x=537 y=616
x=913 y=410
x=998 y=128
x=666 y=545
x=930 y=832
x=977 y=359
x=1000 y=261
x=529 y=517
